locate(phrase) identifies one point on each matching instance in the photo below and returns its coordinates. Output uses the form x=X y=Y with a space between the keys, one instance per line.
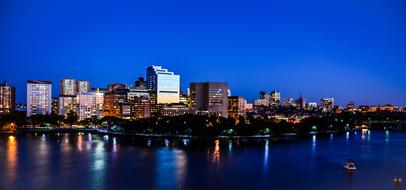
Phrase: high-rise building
x=210 y=98
x=39 y=97
x=7 y=98
x=73 y=87
x=115 y=101
x=66 y=105
x=164 y=85
x=68 y=87
x=89 y=105
x=327 y=104
x=275 y=98
x=236 y=106
x=140 y=107
x=83 y=87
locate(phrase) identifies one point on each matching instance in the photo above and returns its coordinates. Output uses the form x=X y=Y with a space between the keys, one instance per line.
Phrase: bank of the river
x=275 y=138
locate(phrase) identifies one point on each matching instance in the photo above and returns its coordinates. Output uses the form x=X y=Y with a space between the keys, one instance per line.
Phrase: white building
x=89 y=105
x=83 y=87
x=164 y=85
x=68 y=87
x=39 y=97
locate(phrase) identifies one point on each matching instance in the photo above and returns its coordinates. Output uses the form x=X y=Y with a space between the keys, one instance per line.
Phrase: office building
x=210 y=98
x=66 y=105
x=236 y=106
x=327 y=104
x=275 y=98
x=140 y=107
x=115 y=101
x=164 y=85
x=83 y=87
x=89 y=105
x=7 y=98
x=172 y=110
x=39 y=97
x=68 y=87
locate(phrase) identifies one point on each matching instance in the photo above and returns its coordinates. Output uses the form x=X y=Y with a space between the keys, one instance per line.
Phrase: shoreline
x=284 y=137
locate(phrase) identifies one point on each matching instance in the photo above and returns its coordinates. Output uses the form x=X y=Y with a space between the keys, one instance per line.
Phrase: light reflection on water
x=99 y=167
x=11 y=159
x=266 y=155
x=216 y=153
x=105 y=162
x=171 y=168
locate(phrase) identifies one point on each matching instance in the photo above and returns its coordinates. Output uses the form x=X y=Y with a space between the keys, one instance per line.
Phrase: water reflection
x=99 y=166
x=170 y=163
x=11 y=159
x=387 y=136
x=79 y=143
x=266 y=155
x=216 y=153
x=114 y=144
x=230 y=148
x=314 y=143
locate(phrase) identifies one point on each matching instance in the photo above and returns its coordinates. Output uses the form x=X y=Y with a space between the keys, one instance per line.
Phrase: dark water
x=84 y=161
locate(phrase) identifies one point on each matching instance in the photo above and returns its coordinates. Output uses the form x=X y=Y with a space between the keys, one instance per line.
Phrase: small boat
x=397 y=180
x=350 y=165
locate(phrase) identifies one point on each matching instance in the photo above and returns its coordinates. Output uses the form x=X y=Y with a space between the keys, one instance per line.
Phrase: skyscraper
x=210 y=98
x=68 y=87
x=39 y=97
x=275 y=98
x=83 y=87
x=164 y=85
x=7 y=98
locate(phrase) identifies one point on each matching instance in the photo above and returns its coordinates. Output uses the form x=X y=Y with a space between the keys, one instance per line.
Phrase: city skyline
x=56 y=91
x=351 y=51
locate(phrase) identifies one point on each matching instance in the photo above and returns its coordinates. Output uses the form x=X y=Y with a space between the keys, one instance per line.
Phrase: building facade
x=39 y=97
x=115 y=101
x=89 y=105
x=83 y=87
x=172 y=110
x=7 y=98
x=164 y=85
x=68 y=87
x=327 y=104
x=210 y=98
x=66 y=105
x=236 y=106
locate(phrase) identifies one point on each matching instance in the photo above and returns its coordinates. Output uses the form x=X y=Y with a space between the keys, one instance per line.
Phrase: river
x=86 y=161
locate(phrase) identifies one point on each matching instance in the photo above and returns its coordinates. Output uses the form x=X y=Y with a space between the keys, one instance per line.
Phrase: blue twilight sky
x=347 y=49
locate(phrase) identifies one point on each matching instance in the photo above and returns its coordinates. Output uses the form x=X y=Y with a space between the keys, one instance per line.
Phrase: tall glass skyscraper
x=39 y=97
x=164 y=85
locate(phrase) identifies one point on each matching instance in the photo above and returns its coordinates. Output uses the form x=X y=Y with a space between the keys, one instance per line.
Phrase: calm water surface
x=85 y=161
